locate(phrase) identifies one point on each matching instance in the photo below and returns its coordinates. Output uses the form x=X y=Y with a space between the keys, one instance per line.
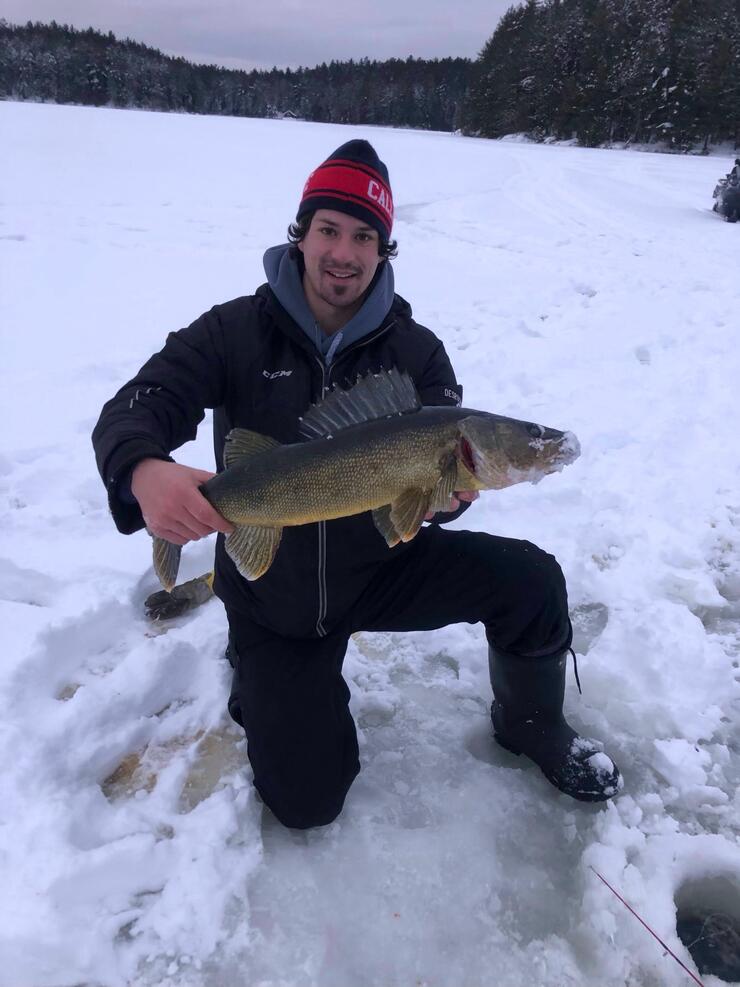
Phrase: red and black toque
x=353 y=180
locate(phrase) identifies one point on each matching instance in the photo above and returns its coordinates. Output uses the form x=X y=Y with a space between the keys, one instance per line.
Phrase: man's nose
x=342 y=250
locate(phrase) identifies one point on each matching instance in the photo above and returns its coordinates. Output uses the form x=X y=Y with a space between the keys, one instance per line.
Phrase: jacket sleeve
x=438 y=386
x=159 y=409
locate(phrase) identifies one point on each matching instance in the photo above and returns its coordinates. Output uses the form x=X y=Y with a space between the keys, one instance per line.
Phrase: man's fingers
x=177 y=529
x=168 y=534
x=202 y=475
x=467 y=495
x=189 y=522
x=205 y=514
x=224 y=526
x=452 y=506
x=196 y=528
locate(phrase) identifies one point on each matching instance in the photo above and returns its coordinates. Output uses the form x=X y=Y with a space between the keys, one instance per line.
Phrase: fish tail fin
x=252 y=548
x=166 y=558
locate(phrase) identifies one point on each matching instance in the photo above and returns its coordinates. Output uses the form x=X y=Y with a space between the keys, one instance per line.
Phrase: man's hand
x=459 y=495
x=171 y=503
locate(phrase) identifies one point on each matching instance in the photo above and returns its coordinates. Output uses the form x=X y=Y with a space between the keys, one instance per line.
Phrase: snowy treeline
x=612 y=70
x=56 y=63
x=595 y=70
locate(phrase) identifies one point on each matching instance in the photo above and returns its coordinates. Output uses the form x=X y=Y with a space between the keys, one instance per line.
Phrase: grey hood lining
x=285 y=280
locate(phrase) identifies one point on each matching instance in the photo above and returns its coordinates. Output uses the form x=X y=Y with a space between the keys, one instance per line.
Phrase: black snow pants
x=289 y=694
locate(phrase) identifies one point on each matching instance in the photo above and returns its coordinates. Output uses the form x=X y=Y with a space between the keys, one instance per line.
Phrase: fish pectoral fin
x=382 y=519
x=252 y=548
x=408 y=511
x=242 y=443
x=446 y=484
x=166 y=559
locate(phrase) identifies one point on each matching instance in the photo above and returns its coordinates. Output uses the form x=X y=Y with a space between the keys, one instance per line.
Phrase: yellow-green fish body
x=371 y=448
x=359 y=469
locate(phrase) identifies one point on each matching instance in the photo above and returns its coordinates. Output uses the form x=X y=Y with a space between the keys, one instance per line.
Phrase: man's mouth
x=340 y=275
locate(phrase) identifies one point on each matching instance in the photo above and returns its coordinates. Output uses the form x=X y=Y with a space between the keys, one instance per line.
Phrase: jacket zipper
x=323 y=593
x=323 y=596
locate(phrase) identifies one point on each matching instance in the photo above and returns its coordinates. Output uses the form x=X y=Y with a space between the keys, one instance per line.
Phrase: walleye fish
x=374 y=448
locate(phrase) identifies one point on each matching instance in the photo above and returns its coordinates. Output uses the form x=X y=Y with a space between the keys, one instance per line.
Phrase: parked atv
x=727 y=199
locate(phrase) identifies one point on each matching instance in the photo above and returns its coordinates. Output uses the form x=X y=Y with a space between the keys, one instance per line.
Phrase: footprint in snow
x=584 y=289
x=212 y=756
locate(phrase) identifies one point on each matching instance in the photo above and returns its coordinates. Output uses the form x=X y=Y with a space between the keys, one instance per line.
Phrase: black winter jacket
x=248 y=360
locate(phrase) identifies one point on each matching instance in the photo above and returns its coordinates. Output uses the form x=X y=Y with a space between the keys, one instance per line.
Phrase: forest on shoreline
x=663 y=72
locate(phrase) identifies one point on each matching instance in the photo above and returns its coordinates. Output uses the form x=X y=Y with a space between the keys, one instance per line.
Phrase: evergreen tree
x=612 y=70
x=56 y=63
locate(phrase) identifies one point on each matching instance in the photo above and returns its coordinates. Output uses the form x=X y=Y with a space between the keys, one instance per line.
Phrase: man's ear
x=300 y=245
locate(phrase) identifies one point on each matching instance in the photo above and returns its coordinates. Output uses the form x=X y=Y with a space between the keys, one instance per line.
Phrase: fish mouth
x=499 y=468
x=562 y=449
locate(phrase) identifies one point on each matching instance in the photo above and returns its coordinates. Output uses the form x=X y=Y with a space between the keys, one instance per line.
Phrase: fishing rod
x=653 y=934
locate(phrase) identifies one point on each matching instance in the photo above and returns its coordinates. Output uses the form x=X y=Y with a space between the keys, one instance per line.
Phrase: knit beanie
x=352 y=180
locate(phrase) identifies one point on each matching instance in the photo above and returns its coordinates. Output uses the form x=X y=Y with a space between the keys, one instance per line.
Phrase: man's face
x=341 y=258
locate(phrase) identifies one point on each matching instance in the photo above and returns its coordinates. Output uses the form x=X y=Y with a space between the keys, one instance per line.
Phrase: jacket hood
x=285 y=279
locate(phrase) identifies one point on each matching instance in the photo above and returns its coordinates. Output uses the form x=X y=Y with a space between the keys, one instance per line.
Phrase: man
x=327 y=314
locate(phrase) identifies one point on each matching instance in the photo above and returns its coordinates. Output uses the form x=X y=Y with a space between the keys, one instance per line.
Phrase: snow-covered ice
x=589 y=290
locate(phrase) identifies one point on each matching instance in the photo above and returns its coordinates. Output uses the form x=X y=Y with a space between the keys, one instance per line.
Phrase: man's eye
x=327 y=230
x=363 y=236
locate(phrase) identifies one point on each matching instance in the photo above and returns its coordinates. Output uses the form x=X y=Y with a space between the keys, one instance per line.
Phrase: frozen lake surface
x=589 y=290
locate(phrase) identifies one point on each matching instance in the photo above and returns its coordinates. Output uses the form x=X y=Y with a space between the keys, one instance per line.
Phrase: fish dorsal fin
x=241 y=443
x=374 y=396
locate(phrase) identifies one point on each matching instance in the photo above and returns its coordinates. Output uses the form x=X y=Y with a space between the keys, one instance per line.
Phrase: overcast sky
x=262 y=33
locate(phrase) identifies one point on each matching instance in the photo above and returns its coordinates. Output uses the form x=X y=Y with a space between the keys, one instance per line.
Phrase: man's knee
x=303 y=815
x=536 y=621
x=306 y=803
x=539 y=573
x=514 y=565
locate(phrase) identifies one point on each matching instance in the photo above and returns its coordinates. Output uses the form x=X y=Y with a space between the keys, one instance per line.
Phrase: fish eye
x=536 y=431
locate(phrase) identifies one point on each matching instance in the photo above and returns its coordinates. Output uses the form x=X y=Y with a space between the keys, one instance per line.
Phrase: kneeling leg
x=291 y=699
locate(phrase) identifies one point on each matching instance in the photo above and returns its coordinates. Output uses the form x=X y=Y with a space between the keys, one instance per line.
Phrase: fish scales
x=318 y=480
x=389 y=455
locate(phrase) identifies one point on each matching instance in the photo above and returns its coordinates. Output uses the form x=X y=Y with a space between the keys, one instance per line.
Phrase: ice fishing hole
x=589 y=622
x=708 y=924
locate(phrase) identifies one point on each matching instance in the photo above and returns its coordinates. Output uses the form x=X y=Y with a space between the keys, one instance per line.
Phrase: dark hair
x=387 y=249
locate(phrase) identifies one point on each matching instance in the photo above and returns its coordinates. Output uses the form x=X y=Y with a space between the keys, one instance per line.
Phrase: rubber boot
x=527 y=714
